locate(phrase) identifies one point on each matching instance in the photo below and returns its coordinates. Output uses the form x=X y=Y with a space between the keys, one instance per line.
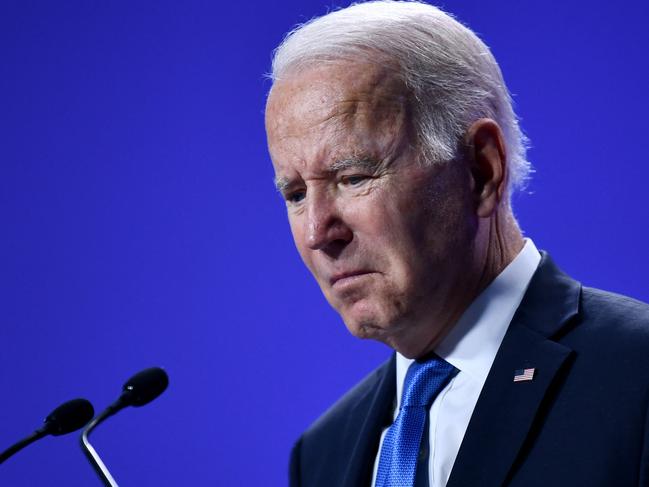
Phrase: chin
x=392 y=329
x=368 y=326
x=364 y=331
x=392 y=336
x=369 y=319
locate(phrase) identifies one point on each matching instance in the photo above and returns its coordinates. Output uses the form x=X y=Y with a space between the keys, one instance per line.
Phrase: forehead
x=333 y=106
x=333 y=83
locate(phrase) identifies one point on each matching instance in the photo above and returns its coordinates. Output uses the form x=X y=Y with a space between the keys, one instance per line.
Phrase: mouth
x=343 y=277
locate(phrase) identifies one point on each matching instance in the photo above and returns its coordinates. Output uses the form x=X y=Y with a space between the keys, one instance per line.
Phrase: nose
x=326 y=229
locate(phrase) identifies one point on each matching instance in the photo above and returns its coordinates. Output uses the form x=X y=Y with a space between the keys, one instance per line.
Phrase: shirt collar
x=472 y=344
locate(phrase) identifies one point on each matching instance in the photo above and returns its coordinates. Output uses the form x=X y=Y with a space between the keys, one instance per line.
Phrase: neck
x=503 y=242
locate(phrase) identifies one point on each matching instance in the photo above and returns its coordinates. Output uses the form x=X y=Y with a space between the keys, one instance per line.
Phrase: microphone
x=68 y=417
x=139 y=390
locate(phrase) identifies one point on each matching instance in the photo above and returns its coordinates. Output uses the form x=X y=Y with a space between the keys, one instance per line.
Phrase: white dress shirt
x=471 y=347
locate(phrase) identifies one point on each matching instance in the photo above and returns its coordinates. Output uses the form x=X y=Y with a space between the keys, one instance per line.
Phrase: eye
x=294 y=197
x=354 y=179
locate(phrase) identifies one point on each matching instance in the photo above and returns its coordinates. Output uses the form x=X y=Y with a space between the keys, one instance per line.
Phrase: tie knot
x=424 y=380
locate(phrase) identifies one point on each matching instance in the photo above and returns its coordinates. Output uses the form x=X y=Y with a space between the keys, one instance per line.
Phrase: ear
x=487 y=163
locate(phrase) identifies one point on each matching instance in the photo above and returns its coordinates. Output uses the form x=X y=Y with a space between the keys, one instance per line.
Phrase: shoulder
x=613 y=305
x=559 y=307
x=346 y=433
x=607 y=313
x=357 y=398
x=610 y=335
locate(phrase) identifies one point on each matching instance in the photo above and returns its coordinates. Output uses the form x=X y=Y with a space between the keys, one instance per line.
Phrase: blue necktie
x=398 y=461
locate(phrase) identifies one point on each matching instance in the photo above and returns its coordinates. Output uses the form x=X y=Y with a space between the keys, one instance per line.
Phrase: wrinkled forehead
x=316 y=94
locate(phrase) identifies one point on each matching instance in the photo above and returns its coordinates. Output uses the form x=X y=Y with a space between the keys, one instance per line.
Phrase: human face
x=387 y=238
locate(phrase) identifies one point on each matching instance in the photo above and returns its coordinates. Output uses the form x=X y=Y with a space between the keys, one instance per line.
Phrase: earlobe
x=487 y=162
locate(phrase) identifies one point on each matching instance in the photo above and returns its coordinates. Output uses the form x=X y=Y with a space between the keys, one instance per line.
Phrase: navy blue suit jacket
x=582 y=421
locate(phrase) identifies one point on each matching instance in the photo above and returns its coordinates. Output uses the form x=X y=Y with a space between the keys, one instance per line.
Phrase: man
x=396 y=149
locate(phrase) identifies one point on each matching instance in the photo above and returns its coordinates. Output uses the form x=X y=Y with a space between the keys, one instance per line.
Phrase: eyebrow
x=365 y=163
x=354 y=162
x=281 y=184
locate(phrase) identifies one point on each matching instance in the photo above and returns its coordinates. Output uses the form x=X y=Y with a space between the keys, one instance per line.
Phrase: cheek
x=419 y=233
x=399 y=229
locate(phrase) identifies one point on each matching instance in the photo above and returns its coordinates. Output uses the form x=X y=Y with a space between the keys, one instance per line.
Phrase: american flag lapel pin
x=522 y=375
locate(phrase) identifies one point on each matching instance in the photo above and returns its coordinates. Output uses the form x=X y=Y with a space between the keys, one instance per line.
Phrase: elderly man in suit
x=396 y=148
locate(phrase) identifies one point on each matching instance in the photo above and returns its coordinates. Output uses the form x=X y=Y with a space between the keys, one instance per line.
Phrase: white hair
x=451 y=74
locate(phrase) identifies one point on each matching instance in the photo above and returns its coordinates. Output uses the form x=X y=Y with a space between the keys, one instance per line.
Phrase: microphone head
x=69 y=417
x=144 y=387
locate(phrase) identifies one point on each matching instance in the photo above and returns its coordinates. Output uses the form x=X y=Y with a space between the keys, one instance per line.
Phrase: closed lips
x=346 y=275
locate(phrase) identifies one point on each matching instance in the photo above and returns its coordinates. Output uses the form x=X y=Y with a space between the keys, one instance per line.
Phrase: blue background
x=139 y=224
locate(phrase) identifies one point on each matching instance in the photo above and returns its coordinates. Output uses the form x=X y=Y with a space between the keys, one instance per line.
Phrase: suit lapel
x=370 y=415
x=506 y=410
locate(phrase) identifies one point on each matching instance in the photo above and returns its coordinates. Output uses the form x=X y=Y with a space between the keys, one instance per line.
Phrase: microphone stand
x=96 y=462
x=15 y=448
x=139 y=390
